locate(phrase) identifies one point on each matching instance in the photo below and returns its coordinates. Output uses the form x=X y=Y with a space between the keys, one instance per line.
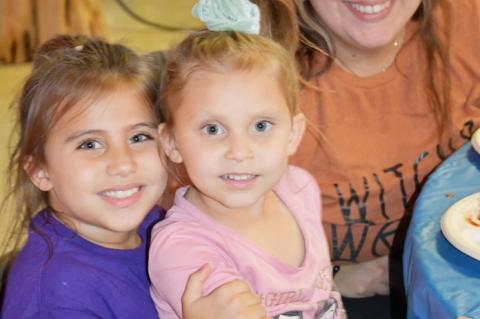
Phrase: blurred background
x=144 y=25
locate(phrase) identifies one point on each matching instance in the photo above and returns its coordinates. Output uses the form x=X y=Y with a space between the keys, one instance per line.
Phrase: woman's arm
x=364 y=279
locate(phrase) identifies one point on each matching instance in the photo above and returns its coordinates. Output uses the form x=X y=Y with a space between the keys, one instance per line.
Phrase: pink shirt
x=189 y=238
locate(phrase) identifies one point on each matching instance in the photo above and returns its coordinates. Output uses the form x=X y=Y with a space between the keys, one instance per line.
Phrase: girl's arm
x=230 y=301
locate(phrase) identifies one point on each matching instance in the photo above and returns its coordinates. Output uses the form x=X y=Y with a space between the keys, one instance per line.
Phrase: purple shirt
x=77 y=279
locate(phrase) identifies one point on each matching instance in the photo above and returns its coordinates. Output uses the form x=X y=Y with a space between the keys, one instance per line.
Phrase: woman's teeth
x=370 y=9
x=122 y=194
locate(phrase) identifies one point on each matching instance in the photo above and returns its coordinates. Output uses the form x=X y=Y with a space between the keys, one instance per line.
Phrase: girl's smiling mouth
x=239 y=180
x=123 y=197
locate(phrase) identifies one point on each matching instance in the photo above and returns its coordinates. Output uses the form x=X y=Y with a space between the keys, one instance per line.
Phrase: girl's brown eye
x=138 y=138
x=90 y=145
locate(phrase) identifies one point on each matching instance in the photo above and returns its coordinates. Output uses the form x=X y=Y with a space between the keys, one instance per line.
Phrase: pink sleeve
x=176 y=251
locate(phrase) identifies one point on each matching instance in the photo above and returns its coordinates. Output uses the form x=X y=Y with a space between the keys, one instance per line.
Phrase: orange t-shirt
x=380 y=137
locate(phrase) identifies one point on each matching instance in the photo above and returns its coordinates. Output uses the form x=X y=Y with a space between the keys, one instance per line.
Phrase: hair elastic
x=228 y=15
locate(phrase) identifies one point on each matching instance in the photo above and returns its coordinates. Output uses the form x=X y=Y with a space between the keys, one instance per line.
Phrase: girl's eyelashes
x=90 y=145
x=213 y=129
x=93 y=144
x=141 y=137
x=262 y=126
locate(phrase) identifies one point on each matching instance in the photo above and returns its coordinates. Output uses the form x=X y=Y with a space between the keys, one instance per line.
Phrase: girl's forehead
x=127 y=104
x=231 y=93
x=229 y=79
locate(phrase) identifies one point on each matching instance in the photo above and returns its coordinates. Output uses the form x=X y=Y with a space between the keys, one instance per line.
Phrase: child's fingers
x=237 y=286
x=246 y=305
x=193 y=289
x=239 y=301
x=232 y=300
x=244 y=299
x=230 y=291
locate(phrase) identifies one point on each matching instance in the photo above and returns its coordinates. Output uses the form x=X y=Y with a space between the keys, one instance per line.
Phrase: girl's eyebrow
x=151 y=125
x=79 y=134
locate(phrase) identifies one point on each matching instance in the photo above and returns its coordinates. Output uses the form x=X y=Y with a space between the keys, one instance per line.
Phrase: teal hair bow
x=228 y=15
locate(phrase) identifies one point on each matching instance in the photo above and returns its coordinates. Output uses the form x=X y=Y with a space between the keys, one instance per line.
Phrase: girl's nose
x=122 y=162
x=239 y=149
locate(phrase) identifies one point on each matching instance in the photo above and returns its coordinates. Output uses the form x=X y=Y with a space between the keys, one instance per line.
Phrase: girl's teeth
x=370 y=9
x=122 y=194
x=239 y=177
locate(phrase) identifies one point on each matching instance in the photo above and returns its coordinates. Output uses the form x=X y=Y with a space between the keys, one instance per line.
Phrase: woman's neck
x=368 y=62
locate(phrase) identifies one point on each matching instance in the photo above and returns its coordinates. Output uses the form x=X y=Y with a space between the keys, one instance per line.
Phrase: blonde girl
x=231 y=120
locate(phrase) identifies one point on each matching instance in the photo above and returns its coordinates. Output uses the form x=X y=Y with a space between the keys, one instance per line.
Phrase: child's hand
x=233 y=300
x=364 y=279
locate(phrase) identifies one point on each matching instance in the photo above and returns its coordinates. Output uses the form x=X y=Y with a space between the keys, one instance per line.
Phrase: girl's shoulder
x=70 y=286
x=155 y=215
x=299 y=190
x=38 y=282
x=55 y=255
x=58 y=272
x=298 y=181
x=181 y=228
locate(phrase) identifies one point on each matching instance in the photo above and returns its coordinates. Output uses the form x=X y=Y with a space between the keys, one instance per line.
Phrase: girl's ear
x=296 y=134
x=38 y=174
x=167 y=141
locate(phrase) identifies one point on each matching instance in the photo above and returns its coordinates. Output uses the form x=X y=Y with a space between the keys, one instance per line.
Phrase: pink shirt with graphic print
x=189 y=238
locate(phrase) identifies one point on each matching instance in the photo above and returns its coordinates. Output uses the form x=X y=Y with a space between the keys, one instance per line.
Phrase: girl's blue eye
x=213 y=129
x=138 y=138
x=90 y=145
x=262 y=126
